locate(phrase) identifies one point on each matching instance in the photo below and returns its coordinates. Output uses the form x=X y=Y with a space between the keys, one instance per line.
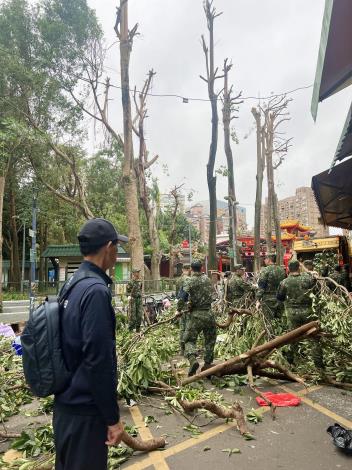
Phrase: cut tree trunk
x=15 y=268
x=129 y=176
x=259 y=190
x=227 y=111
x=2 y=190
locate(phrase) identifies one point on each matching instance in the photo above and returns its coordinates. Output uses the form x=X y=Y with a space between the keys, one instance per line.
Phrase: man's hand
x=115 y=434
x=257 y=304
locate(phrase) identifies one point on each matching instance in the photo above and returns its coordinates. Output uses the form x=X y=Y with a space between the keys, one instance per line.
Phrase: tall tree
x=275 y=144
x=259 y=187
x=143 y=165
x=126 y=37
x=229 y=111
x=211 y=77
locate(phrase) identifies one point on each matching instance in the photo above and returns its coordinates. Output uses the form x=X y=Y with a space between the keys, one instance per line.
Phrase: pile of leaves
x=142 y=358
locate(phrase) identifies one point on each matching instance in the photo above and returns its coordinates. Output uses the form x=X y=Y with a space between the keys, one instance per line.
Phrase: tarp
x=333 y=193
x=334 y=67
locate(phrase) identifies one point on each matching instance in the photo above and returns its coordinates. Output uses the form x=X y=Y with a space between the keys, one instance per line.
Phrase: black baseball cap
x=98 y=232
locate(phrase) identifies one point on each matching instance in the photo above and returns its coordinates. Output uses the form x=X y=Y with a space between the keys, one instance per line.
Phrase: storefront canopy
x=334 y=68
x=344 y=148
x=333 y=192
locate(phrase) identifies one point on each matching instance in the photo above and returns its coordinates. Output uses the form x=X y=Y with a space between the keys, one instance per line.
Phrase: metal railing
x=15 y=291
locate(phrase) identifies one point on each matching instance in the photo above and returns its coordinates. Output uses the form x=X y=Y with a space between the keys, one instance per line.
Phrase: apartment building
x=301 y=206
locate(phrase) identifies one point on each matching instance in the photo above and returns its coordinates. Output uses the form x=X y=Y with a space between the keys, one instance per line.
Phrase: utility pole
x=23 y=255
x=190 y=243
x=33 y=253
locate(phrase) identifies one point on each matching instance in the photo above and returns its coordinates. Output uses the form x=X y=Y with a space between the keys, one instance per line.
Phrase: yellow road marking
x=191 y=442
x=156 y=457
x=320 y=408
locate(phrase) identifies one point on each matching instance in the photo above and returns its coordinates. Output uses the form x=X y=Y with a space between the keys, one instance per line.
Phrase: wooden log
x=235 y=412
x=143 y=446
x=130 y=441
x=274 y=343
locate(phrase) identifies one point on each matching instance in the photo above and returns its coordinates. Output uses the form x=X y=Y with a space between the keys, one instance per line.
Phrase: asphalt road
x=295 y=440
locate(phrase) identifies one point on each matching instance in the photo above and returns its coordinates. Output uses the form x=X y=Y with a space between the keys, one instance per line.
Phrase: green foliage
x=325 y=262
x=254 y=416
x=35 y=442
x=141 y=364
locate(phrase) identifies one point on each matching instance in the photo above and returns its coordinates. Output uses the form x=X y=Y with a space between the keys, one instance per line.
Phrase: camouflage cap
x=136 y=270
x=293 y=265
x=239 y=266
x=186 y=266
x=197 y=264
x=308 y=263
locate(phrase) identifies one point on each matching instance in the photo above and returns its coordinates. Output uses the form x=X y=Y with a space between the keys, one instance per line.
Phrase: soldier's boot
x=194 y=365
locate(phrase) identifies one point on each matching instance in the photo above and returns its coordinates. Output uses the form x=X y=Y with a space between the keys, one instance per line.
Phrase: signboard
x=31 y=233
x=32 y=255
x=316 y=244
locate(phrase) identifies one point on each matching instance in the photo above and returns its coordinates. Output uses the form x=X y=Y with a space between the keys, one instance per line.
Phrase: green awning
x=344 y=148
x=334 y=67
x=72 y=251
x=333 y=193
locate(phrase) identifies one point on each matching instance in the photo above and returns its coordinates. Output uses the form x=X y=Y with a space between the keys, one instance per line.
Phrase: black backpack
x=43 y=362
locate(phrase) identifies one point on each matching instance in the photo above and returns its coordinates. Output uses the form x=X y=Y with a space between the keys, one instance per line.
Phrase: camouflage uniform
x=134 y=289
x=180 y=284
x=269 y=280
x=295 y=291
x=200 y=318
x=237 y=288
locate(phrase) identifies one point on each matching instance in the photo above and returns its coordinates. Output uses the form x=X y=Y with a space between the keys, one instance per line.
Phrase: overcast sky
x=273 y=45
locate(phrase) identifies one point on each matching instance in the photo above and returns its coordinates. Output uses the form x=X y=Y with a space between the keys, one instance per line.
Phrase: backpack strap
x=75 y=279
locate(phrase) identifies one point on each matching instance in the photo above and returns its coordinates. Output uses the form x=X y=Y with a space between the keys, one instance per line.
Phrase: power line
x=185 y=99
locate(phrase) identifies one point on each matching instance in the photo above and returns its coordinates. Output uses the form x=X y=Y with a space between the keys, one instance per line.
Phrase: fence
x=17 y=291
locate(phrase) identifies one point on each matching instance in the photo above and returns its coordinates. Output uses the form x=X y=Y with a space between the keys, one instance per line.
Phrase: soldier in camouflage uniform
x=199 y=318
x=295 y=291
x=269 y=280
x=238 y=287
x=134 y=289
x=180 y=286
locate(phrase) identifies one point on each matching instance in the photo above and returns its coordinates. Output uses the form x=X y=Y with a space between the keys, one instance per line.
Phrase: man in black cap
x=86 y=414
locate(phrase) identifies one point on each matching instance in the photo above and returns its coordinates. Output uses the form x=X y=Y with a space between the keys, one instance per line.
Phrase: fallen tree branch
x=235 y=412
x=224 y=367
x=143 y=446
x=130 y=441
x=9 y=435
x=258 y=392
x=231 y=315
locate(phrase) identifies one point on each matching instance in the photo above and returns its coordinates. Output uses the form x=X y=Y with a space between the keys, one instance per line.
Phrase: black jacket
x=88 y=343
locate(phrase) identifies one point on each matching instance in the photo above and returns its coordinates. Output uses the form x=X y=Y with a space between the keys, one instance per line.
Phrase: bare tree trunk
x=275 y=113
x=16 y=272
x=143 y=164
x=259 y=189
x=172 y=238
x=276 y=216
x=129 y=175
x=211 y=14
x=228 y=110
x=2 y=190
x=269 y=217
